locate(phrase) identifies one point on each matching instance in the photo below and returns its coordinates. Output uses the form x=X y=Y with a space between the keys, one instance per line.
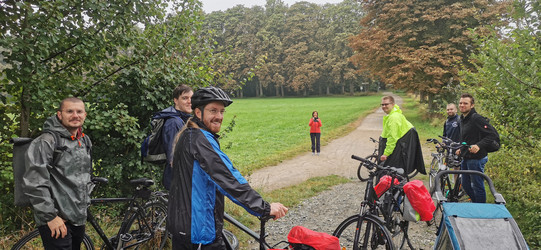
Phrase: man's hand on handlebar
x=278 y=210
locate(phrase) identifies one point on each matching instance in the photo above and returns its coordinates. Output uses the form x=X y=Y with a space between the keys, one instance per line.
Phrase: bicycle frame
x=133 y=207
x=259 y=238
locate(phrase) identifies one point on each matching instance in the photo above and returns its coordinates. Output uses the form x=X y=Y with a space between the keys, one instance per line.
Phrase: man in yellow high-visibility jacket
x=399 y=144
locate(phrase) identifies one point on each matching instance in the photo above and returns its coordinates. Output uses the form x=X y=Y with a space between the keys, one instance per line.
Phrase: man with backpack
x=475 y=131
x=175 y=117
x=203 y=174
x=57 y=178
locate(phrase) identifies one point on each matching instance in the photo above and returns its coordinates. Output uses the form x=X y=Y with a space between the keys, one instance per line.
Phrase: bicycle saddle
x=142 y=181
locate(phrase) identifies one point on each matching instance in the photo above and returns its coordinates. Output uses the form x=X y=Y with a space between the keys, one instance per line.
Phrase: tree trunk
x=328 y=90
x=351 y=89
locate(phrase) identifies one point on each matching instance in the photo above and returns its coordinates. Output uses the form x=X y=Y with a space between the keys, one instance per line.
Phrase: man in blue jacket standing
x=175 y=117
x=203 y=175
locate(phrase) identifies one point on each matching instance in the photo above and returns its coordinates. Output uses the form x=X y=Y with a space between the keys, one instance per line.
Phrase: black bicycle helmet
x=207 y=95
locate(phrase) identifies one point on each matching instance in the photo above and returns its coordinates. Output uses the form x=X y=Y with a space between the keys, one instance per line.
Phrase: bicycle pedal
x=126 y=237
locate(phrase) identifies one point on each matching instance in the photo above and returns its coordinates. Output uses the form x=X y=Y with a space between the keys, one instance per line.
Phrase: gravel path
x=324 y=212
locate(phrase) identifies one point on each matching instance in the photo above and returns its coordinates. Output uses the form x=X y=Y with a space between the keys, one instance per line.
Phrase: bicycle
x=373 y=158
x=366 y=229
x=143 y=225
x=444 y=159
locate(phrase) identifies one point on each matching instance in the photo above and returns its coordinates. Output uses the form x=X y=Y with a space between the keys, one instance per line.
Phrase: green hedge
x=516 y=173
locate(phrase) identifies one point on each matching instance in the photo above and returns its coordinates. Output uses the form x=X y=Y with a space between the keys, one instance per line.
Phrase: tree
x=419 y=45
x=506 y=81
x=122 y=58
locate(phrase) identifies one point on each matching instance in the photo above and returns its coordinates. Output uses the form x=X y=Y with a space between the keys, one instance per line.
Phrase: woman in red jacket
x=315 y=132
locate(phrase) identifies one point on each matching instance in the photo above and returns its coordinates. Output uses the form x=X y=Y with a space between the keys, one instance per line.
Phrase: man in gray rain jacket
x=57 y=178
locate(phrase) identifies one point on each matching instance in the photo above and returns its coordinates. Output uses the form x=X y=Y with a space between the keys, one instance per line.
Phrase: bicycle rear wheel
x=372 y=233
x=363 y=176
x=33 y=241
x=147 y=230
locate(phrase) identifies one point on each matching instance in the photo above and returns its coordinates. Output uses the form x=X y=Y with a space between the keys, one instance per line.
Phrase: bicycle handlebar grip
x=358 y=158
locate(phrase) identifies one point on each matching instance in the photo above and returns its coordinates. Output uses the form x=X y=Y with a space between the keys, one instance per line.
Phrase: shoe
x=317 y=153
x=313 y=153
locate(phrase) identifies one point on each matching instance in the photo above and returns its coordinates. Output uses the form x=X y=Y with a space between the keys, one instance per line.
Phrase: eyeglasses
x=385 y=104
x=71 y=112
x=215 y=111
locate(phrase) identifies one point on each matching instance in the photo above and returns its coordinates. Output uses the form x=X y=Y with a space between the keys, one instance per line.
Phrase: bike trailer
x=477 y=225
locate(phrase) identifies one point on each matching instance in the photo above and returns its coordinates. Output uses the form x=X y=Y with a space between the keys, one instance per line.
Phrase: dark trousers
x=473 y=184
x=72 y=240
x=315 y=142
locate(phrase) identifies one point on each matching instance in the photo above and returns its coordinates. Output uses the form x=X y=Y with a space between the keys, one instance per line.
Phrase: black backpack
x=152 y=149
x=494 y=144
x=20 y=146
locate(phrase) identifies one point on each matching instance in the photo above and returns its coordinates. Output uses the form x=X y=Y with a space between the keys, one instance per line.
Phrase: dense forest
x=282 y=50
x=309 y=49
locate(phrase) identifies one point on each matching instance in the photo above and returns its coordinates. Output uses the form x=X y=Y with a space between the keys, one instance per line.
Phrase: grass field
x=267 y=131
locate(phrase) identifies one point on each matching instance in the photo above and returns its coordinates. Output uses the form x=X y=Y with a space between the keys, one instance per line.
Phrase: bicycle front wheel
x=146 y=229
x=362 y=175
x=33 y=241
x=372 y=233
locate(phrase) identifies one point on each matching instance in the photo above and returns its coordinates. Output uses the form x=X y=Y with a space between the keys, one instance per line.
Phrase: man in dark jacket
x=451 y=128
x=59 y=191
x=175 y=118
x=203 y=175
x=474 y=131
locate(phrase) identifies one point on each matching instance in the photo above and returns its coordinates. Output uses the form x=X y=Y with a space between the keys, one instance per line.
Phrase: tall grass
x=267 y=131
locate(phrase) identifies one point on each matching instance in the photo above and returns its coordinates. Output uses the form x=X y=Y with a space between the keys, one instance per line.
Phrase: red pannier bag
x=317 y=240
x=420 y=199
x=384 y=184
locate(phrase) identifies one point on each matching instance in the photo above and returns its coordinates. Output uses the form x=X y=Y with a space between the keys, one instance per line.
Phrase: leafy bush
x=516 y=173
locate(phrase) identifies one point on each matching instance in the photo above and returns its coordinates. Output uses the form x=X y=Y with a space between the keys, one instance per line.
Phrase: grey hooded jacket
x=63 y=189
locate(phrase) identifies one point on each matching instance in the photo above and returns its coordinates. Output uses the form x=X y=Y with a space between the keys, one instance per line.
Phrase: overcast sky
x=214 y=5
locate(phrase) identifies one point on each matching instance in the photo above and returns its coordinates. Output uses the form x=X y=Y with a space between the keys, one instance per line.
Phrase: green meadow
x=266 y=131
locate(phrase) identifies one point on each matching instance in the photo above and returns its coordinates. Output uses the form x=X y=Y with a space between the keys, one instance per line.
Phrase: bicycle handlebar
x=370 y=165
x=498 y=198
